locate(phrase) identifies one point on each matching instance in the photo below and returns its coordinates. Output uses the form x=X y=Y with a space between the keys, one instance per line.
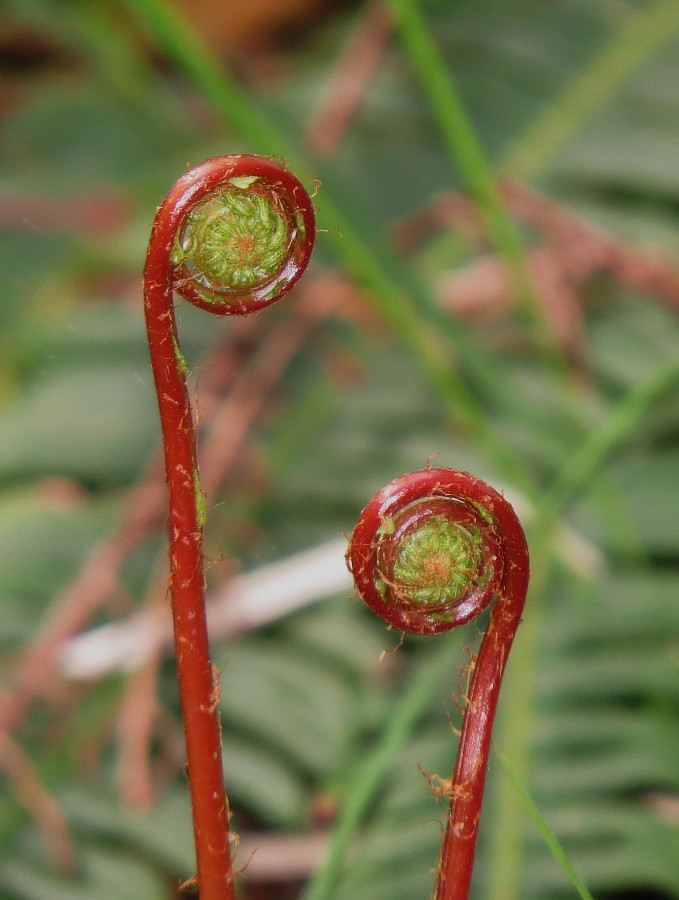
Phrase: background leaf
x=104 y=109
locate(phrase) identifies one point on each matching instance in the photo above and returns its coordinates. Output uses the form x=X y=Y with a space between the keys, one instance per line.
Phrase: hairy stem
x=232 y=236
x=430 y=552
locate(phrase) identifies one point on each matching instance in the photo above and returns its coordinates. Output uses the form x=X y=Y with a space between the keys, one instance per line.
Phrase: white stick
x=247 y=602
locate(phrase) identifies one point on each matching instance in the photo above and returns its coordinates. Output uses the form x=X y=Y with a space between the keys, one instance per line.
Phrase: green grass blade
x=543 y=828
x=619 y=425
x=465 y=150
x=634 y=44
x=400 y=725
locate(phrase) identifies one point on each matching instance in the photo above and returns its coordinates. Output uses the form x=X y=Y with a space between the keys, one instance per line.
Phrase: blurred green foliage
x=98 y=125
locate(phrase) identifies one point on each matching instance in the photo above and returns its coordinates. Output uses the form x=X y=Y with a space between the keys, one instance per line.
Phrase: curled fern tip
x=430 y=551
x=426 y=553
x=240 y=231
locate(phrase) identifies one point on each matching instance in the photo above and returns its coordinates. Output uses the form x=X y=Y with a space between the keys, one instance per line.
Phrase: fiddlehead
x=429 y=552
x=232 y=236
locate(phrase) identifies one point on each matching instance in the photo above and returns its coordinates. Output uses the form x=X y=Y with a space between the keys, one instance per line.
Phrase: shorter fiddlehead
x=232 y=236
x=429 y=552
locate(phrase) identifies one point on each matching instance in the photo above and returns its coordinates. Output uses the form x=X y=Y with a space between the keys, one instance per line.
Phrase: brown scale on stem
x=431 y=551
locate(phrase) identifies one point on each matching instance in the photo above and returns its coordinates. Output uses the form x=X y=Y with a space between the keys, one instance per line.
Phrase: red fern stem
x=232 y=236
x=430 y=552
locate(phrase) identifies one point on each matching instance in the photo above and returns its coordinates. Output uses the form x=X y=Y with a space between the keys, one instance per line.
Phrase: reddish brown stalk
x=230 y=421
x=232 y=236
x=570 y=252
x=139 y=710
x=39 y=802
x=342 y=95
x=429 y=552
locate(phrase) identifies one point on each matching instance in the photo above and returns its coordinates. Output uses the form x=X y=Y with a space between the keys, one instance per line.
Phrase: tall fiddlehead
x=431 y=551
x=232 y=236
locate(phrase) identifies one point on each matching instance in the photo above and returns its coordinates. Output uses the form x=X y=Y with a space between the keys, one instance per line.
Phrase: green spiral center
x=236 y=239
x=436 y=562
